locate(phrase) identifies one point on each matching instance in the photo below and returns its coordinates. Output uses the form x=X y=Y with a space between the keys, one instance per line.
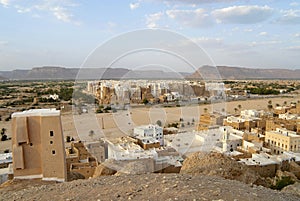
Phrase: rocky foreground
x=141 y=187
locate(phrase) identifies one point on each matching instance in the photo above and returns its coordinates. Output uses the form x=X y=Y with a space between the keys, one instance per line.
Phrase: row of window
x=51 y=142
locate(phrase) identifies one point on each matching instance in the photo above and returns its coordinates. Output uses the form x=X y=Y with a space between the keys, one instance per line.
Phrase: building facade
x=38 y=145
x=282 y=140
x=153 y=131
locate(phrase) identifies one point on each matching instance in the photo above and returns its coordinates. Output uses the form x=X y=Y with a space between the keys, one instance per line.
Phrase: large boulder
x=293 y=189
x=216 y=164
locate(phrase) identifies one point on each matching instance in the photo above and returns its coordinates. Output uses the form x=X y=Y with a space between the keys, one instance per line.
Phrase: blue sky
x=259 y=33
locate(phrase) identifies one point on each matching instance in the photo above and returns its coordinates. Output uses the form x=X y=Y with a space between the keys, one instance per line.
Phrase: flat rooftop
x=37 y=112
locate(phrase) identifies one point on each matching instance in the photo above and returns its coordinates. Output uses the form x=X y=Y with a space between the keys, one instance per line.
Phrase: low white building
x=288 y=116
x=128 y=151
x=173 y=96
x=5 y=159
x=150 y=130
x=250 y=113
x=54 y=96
x=206 y=141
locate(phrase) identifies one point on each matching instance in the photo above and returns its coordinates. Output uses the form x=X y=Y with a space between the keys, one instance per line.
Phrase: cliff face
x=234 y=73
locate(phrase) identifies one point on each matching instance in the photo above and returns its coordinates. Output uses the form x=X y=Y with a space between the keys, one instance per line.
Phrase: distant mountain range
x=61 y=73
x=206 y=72
x=238 y=73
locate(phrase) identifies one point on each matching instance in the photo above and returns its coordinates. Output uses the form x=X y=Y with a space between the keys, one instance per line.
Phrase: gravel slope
x=141 y=187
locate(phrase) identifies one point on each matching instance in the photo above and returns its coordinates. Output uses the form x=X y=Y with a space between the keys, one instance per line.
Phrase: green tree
x=91 y=133
x=236 y=110
x=284 y=181
x=3 y=131
x=270 y=107
x=145 y=101
x=3 y=135
x=68 y=139
x=158 y=122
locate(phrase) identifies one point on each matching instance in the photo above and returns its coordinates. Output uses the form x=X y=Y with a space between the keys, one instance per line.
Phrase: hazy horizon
x=78 y=67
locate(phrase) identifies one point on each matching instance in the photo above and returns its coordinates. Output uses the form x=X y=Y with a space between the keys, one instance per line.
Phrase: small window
x=31 y=144
x=53 y=152
x=51 y=142
x=51 y=133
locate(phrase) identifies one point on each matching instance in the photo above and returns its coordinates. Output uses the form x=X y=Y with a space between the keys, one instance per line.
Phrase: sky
x=256 y=34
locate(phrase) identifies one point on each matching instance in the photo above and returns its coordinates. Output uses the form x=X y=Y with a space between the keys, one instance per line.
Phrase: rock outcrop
x=216 y=164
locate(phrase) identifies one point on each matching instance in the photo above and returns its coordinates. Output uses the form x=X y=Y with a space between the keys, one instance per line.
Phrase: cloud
x=21 y=9
x=191 y=18
x=243 y=14
x=289 y=17
x=294 y=4
x=293 y=48
x=60 y=9
x=263 y=33
x=5 y=3
x=61 y=14
x=196 y=1
x=209 y=42
x=248 y=30
x=152 y=19
x=297 y=35
x=3 y=43
x=134 y=6
x=265 y=43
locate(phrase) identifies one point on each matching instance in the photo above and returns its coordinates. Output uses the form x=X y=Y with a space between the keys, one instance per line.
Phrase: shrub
x=283 y=182
x=4 y=137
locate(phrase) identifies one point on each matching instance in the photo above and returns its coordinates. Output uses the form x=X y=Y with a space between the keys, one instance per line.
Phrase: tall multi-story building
x=282 y=140
x=38 y=145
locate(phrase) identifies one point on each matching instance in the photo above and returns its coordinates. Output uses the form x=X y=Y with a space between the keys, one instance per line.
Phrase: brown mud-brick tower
x=38 y=145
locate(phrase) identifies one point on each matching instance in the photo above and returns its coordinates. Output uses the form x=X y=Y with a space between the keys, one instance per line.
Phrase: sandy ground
x=118 y=124
x=112 y=125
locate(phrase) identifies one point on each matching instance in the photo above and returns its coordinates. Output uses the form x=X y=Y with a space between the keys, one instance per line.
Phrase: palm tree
x=3 y=130
x=3 y=136
x=91 y=133
x=270 y=107
x=270 y=102
x=235 y=110
x=158 y=122
x=239 y=106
